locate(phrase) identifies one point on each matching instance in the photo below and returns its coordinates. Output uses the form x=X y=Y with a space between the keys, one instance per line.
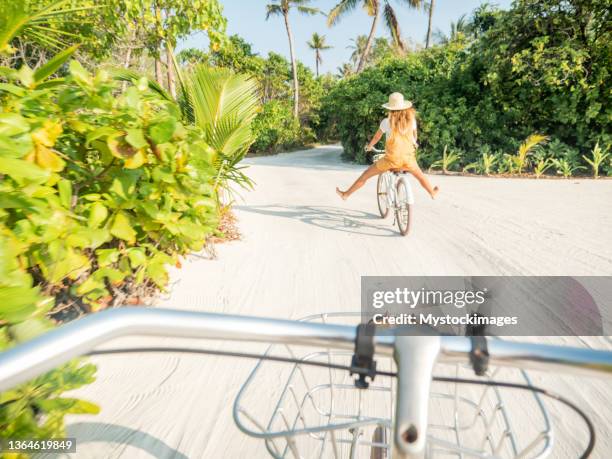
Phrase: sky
x=247 y=18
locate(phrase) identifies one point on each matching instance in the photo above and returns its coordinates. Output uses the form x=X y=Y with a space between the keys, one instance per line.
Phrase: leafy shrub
x=99 y=192
x=449 y=158
x=565 y=167
x=275 y=128
x=500 y=87
x=101 y=188
x=485 y=163
x=597 y=159
x=35 y=409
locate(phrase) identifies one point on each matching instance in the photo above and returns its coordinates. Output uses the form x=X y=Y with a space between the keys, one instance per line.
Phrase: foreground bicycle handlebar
x=414 y=355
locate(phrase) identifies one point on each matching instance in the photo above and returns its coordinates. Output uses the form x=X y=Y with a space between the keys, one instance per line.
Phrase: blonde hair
x=402 y=122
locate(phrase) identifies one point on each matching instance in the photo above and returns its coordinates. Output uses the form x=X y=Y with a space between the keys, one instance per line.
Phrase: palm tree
x=317 y=43
x=346 y=70
x=460 y=28
x=373 y=9
x=429 y=31
x=282 y=8
x=358 y=47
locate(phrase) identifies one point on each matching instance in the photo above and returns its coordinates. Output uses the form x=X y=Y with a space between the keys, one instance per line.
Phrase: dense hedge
x=542 y=67
x=100 y=190
x=275 y=128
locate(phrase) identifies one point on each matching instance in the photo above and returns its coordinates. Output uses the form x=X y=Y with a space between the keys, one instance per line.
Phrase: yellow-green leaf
x=48 y=159
x=97 y=214
x=122 y=229
x=135 y=138
x=136 y=160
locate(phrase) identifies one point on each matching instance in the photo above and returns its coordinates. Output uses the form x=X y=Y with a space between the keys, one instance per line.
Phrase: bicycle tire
x=379 y=436
x=381 y=197
x=403 y=221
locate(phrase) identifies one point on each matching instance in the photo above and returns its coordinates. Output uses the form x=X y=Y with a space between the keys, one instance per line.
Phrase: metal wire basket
x=301 y=411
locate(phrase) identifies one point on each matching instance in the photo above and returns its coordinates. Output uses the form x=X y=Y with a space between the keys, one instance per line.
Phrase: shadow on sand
x=94 y=432
x=328 y=217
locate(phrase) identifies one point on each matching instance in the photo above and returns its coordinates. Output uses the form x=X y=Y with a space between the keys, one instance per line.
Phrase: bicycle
x=343 y=416
x=394 y=192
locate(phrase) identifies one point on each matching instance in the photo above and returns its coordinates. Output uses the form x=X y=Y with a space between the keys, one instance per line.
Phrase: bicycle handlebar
x=375 y=150
x=43 y=353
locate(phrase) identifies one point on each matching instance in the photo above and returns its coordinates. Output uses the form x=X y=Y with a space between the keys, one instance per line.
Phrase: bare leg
x=418 y=174
x=367 y=174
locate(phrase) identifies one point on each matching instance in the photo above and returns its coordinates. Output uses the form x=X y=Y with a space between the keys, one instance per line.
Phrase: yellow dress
x=400 y=154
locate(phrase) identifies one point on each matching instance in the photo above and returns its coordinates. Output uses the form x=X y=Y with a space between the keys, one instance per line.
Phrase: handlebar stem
x=415 y=357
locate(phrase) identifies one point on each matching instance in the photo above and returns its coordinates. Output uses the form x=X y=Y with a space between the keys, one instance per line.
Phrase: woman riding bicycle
x=400 y=129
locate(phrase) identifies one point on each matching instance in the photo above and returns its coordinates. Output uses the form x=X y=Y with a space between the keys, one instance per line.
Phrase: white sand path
x=303 y=251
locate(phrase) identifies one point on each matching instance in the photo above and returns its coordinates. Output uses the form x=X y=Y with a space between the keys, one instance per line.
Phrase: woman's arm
x=374 y=140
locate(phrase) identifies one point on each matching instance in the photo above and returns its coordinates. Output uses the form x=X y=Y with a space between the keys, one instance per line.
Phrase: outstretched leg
x=367 y=174
x=418 y=174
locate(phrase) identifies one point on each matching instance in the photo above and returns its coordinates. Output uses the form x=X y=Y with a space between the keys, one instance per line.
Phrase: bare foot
x=435 y=192
x=342 y=194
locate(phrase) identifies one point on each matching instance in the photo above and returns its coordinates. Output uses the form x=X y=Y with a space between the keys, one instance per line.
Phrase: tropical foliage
x=274 y=126
x=282 y=8
x=487 y=88
x=373 y=8
x=105 y=181
x=317 y=44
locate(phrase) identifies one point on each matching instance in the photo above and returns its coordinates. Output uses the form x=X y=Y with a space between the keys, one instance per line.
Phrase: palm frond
x=414 y=4
x=54 y=64
x=273 y=10
x=340 y=10
x=393 y=26
x=318 y=42
x=42 y=26
x=223 y=105
x=530 y=142
x=371 y=7
x=308 y=10
x=131 y=76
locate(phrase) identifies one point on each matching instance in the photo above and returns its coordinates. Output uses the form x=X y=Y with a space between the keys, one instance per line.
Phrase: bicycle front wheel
x=381 y=196
x=403 y=209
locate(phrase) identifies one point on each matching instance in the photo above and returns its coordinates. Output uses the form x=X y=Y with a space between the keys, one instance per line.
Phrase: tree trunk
x=126 y=62
x=158 y=65
x=366 y=51
x=296 y=84
x=158 y=72
x=317 y=59
x=128 y=57
x=170 y=70
x=429 y=31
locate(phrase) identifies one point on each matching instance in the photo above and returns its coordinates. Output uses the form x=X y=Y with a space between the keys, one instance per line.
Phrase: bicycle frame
x=391 y=180
x=414 y=355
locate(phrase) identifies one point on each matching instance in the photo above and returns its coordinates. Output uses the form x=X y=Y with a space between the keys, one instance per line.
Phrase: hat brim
x=404 y=106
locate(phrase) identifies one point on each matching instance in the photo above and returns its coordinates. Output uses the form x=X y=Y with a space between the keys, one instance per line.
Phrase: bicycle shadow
x=91 y=432
x=328 y=217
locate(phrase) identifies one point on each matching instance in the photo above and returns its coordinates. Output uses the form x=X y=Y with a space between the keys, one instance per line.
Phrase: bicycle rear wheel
x=402 y=207
x=381 y=196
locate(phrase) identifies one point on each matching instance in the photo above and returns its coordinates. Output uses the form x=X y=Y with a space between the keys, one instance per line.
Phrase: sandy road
x=303 y=251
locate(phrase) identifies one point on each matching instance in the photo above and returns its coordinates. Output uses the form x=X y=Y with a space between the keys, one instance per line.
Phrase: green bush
x=35 y=409
x=495 y=89
x=99 y=187
x=275 y=128
x=99 y=192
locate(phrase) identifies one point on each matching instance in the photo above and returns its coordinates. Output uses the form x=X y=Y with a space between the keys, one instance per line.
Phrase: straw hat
x=397 y=102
